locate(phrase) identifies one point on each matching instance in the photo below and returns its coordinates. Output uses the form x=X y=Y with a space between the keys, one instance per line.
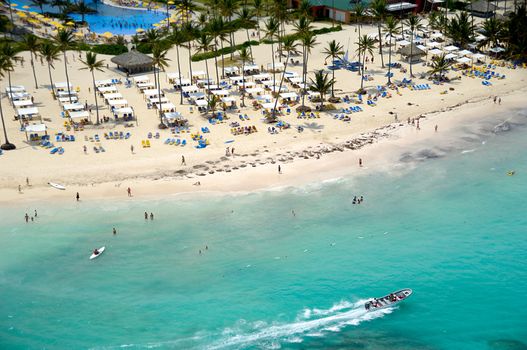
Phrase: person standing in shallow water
x=151 y=216
x=146 y=215
x=78 y=196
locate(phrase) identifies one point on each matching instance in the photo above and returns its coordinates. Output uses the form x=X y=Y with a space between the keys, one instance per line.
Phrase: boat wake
x=263 y=335
x=309 y=323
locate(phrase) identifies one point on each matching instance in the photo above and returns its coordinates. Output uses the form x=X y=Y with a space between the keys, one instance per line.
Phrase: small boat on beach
x=57 y=186
x=388 y=300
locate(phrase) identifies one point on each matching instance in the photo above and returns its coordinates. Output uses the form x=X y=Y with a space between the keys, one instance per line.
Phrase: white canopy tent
x=166 y=107
x=451 y=48
x=465 y=53
x=79 y=114
x=189 y=89
x=289 y=95
x=68 y=99
x=435 y=52
x=73 y=107
x=199 y=74
x=22 y=103
x=118 y=103
x=201 y=103
x=152 y=92
x=158 y=100
x=35 y=128
x=433 y=44
x=107 y=82
x=22 y=112
x=62 y=86
x=107 y=89
x=222 y=93
x=463 y=60
x=254 y=91
x=450 y=56
x=15 y=88
x=403 y=42
x=141 y=79
x=145 y=86
x=231 y=70
x=264 y=76
x=15 y=96
x=113 y=96
x=124 y=111
x=228 y=99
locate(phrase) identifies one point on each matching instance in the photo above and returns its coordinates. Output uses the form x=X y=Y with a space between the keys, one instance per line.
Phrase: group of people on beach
x=151 y=216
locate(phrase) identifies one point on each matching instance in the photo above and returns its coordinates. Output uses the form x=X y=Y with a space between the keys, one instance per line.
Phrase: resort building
x=341 y=10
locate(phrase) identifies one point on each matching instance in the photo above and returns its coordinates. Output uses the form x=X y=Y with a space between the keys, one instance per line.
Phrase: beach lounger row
x=244 y=130
x=421 y=87
x=64 y=138
x=117 y=135
x=311 y=115
x=342 y=117
x=154 y=136
x=205 y=130
x=179 y=129
x=243 y=117
x=486 y=83
x=352 y=109
x=175 y=142
x=371 y=103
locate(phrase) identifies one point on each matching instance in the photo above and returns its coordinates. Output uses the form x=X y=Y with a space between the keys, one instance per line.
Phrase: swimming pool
x=109 y=18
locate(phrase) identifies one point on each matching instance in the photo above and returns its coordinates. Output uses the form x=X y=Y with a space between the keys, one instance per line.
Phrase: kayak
x=101 y=250
x=57 y=186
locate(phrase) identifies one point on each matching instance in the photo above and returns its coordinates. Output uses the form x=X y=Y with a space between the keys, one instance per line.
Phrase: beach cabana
x=141 y=79
x=174 y=119
x=126 y=113
x=35 y=129
x=113 y=96
x=482 y=8
x=450 y=56
x=202 y=105
x=190 y=89
x=411 y=53
x=231 y=71
x=184 y=82
x=435 y=52
x=17 y=96
x=278 y=66
x=62 y=86
x=403 y=42
x=101 y=83
x=166 y=107
x=79 y=114
x=118 y=103
x=195 y=96
x=262 y=77
x=221 y=93
x=133 y=62
x=152 y=93
x=15 y=88
x=478 y=57
x=237 y=79
x=463 y=60
x=289 y=96
x=28 y=113
x=251 y=69
x=451 y=48
x=22 y=103
x=199 y=74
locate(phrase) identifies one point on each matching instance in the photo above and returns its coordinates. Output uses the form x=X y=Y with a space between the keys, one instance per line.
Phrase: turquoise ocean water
x=452 y=227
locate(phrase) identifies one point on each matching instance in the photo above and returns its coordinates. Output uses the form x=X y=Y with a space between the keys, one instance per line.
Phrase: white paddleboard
x=93 y=256
x=57 y=186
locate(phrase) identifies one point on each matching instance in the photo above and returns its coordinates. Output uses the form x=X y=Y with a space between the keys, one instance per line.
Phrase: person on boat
x=95 y=252
x=367 y=306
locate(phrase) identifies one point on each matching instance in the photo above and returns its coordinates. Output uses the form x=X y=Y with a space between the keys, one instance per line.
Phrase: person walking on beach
x=85 y=149
x=183 y=160
x=26 y=217
x=78 y=196
x=435 y=128
x=27 y=181
x=495 y=98
x=499 y=101
x=360 y=162
x=279 y=169
x=129 y=190
x=132 y=149
x=36 y=214
x=19 y=189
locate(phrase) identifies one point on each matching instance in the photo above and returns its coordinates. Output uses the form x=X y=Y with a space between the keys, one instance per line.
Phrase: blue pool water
x=111 y=19
x=451 y=228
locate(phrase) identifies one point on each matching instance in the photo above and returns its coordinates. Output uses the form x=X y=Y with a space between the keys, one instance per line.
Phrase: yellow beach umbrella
x=156 y=24
x=79 y=34
x=156 y=7
x=33 y=13
x=25 y=7
x=21 y=14
x=70 y=23
x=139 y=30
x=14 y=5
x=107 y=35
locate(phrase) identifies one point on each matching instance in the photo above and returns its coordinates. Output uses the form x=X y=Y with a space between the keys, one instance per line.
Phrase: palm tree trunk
x=179 y=73
x=208 y=78
x=333 y=77
x=250 y=47
x=50 y=78
x=222 y=61
x=216 y=63
x=159 y=97
x=362 y=75
x=67 y=76
x=3 y=122
x=411 y=54
x=243 y=84
x=380 y=45
x=95 y=97
x=33 y=67
x=274 y=70
x=273 y=112
x=155 y=77
x=390 y=62
x=303 y=68
x=190 y=60
x=304 y=77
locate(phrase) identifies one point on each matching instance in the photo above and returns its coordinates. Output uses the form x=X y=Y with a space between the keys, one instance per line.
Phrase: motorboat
x=388 y=300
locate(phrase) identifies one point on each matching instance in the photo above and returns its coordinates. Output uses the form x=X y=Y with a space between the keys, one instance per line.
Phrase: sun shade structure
x=411 y=53
x=133 y=62
x=482 y=8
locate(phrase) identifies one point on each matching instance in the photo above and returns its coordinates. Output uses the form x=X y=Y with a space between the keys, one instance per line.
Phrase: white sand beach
x=312 y=155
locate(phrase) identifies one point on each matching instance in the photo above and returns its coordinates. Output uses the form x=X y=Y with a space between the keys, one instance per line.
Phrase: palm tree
x=364 y=45
x=308 y=42
x=333 y=51
x=189 y=34
x=64 y=41
x=50 y=53
x=321 y=84
x=439 y=65
x=82 y=9
x=204 y=44
x=303 y=29
x=359 y=11
x=244 y=56
x=227 y=9
x=178 y=39
x=492 y=29
x=246 y=21
x=212 y=103
x=216 y=28
x=414 y=23
x=6 y=65
x=31 y=43
x=289 y=46
x=460 y=29
x=40 y=4
x=11 y=54
x=258 y=7
x=279 y=11
x=92 y=64
x=379 y=11
x=304 y=9
x=391 y=28
x=159 y=59
x=271 y=31
x=186 y=9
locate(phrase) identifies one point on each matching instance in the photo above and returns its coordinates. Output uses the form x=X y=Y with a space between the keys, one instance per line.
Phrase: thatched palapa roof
x=132 y=59
x=412 y=50
x=482 y=6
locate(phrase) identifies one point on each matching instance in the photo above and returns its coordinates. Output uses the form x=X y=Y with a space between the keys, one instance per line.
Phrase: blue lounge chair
x=54 y=150
x=184 y=143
